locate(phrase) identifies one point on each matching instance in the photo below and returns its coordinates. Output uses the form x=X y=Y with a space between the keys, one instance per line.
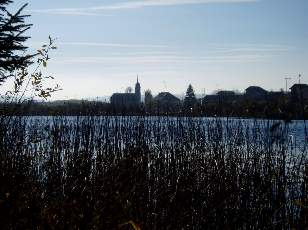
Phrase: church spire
x=138 y=90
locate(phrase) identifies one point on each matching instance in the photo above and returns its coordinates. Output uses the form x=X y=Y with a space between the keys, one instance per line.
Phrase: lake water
x=294 y=132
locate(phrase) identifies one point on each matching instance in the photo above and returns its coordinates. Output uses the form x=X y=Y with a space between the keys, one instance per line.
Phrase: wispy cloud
x=160 y=60
x=211 y=47
x=127 y=54
x=36 y=44
x=114 y=45
x=101 y=9
x=250 y=48
x=68 y=12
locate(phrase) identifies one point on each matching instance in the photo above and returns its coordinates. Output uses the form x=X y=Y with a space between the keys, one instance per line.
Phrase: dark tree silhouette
x=148 y=100
x=190 y=99
x=12 y=39
x=129 y=89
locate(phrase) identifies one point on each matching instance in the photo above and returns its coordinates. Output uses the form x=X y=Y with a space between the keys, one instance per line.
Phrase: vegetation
x=12 y=38
x=151 y=172
x=148 y=100
x=283 y=109
x=190 y=100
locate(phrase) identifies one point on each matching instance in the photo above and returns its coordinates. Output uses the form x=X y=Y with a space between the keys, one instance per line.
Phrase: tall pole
x=287 y=79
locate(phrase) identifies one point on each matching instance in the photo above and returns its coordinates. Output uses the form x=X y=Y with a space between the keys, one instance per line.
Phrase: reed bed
x=156 y=172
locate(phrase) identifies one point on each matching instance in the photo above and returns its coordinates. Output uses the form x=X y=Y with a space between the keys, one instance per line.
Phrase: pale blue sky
x=212 y=44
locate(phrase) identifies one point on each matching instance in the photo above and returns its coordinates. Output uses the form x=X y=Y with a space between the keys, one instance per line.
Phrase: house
x=226 y=96
x=127 y=99
x=211 y=99
x=222 y=97
x=167 y=102
x=167 y=98
x=256 y=93
x=124 y=99
x=299 y=92
x=226 y=93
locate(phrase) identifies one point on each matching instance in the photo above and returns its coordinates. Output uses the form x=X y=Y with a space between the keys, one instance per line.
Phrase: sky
x=211 y=44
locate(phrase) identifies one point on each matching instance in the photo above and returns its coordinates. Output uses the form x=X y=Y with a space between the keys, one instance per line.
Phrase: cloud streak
x=37 y=44
x=101 y=9
x=160 y=60
x=113 y=45
x=170 y=55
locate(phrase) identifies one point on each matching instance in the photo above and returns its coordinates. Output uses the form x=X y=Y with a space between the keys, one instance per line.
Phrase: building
x=299 y=92
x=223 y=96
x=256 y=93
x=167 y=98
x=127 y=99
x=226 y=93
x=167 y=102
x=210 y=99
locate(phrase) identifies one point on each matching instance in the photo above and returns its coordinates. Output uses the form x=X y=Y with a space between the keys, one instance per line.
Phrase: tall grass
x=159 y=172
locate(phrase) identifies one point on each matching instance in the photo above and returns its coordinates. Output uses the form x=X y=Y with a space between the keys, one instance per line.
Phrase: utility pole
x=299 y=78
x=287 y=79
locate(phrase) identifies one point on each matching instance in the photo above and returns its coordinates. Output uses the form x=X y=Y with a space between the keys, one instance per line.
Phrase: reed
x=153 y=172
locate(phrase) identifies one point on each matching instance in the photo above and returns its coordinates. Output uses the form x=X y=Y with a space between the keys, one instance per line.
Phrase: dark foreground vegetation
x=159 y=173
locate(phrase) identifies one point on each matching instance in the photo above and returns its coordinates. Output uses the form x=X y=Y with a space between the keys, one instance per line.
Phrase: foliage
x=190 y=99
x=148 y=98
x=148 y=101
x=151 y=172
x=129 y=89
x=23 y=79
x=12 y=38
x=15 y=63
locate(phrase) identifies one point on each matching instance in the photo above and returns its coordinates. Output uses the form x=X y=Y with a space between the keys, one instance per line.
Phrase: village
x=166 y=102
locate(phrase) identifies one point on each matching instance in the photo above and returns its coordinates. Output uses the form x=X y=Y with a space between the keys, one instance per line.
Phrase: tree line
x=282 y=107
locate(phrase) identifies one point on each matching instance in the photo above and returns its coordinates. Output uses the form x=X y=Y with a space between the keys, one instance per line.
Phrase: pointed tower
x=138 y=91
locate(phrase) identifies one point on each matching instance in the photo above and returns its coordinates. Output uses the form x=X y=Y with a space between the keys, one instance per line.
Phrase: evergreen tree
x=190 y=99
x=12 y=39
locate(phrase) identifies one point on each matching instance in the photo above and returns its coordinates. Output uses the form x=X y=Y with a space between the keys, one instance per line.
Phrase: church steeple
x=138 y=90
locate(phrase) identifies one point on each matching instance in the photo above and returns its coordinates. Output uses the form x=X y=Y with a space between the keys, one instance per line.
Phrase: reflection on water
x=270 y=131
